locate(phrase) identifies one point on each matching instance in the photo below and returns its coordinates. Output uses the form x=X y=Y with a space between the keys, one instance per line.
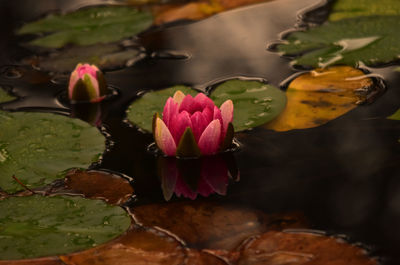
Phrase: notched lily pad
x=321 y=95
x=255 y=103
x=371 y=40
x=38 y=147
x=37 y=226
x=88 y=26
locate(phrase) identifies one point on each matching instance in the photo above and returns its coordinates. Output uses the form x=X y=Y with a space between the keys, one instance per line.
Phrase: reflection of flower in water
x=202 y=176
x=89 y=112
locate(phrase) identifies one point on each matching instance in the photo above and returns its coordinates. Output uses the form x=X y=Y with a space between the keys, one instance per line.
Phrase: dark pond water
x=343 y=176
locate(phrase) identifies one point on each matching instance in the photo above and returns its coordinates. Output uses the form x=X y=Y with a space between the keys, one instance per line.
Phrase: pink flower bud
x=193 y=126
x=86 y=84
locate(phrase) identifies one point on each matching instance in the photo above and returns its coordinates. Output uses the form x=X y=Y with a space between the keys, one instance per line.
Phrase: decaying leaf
x=279 y=248
x=208 y=225
x=138 y=245
x=196 y=10
x=316 y=97
x=99 y=185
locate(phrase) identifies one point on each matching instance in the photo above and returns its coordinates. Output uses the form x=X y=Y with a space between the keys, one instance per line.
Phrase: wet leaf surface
x=255 y=103
x=38 y=147
x=209 y=225
x=280 y=248
x=319 y=96
x=138 y=245
x=343 y=9
x=141 y=111
x=104 y=56
x=37 y=226
x=4 y=96
x=88 y=26
x=197 y=9
x=371 y=40
x=99 y=185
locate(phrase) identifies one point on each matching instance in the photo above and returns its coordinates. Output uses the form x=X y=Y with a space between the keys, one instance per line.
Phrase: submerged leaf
x=37 y=226
x=342 y=9
x=88 y=26
x=255 y=102
x=319 y=96
x=38 y=147
x=370 y=40
x=104 y=56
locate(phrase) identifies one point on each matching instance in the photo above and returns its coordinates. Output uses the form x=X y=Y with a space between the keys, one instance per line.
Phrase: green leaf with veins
x=37 y=226
x=88 y=26
x=38 y=147
x=371 y=40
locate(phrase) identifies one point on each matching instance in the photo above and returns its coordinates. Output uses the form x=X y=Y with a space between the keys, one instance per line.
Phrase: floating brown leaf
x=197 y=10
x=99 y=185
x=209 y=225
x=202 y=258
x=138 y=245
x=280 y=248
x=316 y=97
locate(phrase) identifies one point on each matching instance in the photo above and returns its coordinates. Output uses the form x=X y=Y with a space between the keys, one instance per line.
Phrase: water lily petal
x=72 y=82
x=227 y=114
x=208 y=114
x=199 y=123
x=210 y=139
x=178 y=97
x=86 y=69
x=92 y=85
x=179 y=124
x=187 y=146
x=170 y=111
x=164 y=139
x=204 y=101
x=190 y=105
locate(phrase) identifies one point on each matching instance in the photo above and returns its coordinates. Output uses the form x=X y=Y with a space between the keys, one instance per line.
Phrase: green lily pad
x=356 y=8
x=141 y=111
x=37 y=226
x=255 y=103
x=104 y=56
x=38 y=147
x=88 y=26
x=371 y=40
x=5 y=97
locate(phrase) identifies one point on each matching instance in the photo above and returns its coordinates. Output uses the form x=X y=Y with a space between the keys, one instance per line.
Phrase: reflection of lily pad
x=89 y=26
x=104 y=56
x=4 y=96
x=142 y=110
x=371 y=40
x=255 y=103
x=37 y=147
x=342 y=9
x=37 y=226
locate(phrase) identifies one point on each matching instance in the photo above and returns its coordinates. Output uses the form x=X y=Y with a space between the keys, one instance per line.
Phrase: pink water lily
x=193 y=126
x=87 y=84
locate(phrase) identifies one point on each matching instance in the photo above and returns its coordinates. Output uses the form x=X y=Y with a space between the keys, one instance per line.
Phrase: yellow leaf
x=319 y=96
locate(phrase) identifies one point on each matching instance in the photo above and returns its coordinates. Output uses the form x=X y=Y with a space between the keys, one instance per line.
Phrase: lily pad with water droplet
x=255 y=103
x=141 y=111
x=371 y=40
x=37 y=226
x=88 y=26
x=4 y=96
x=38 y=147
